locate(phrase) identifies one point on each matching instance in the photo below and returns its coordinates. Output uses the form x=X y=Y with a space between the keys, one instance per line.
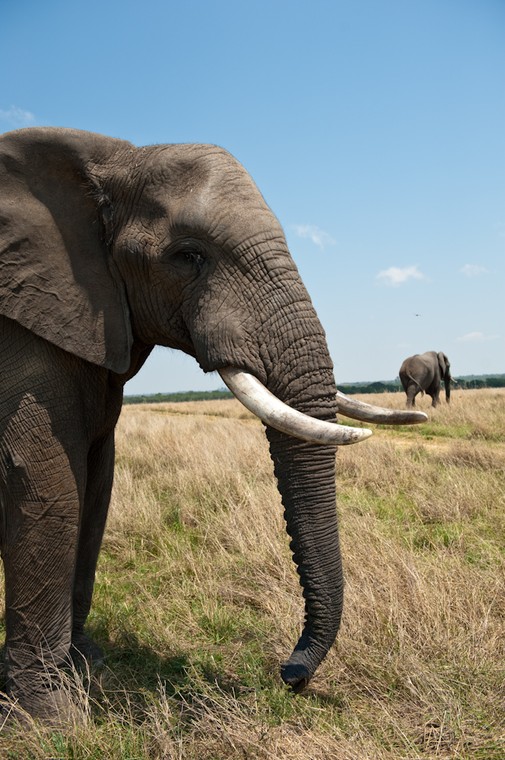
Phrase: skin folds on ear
x=443 y=363
x=56 y=278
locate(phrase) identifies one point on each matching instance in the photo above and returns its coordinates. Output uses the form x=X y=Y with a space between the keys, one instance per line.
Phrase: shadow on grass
x=135 y=677
x=133 y=673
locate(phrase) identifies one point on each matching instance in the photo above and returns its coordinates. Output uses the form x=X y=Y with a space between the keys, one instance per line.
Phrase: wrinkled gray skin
x=105 y=251
x=424 y=373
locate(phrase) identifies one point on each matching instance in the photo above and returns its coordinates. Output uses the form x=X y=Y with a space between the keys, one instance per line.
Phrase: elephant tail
x=413 y=379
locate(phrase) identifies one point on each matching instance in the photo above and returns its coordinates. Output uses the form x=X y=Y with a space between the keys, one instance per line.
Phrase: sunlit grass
x=197 y=600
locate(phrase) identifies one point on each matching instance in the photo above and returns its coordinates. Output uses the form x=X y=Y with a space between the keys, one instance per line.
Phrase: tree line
x=156 y=398
x=393 y=386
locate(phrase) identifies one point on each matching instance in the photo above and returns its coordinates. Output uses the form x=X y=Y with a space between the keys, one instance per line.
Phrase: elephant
x=106 y=250
x=425 y=372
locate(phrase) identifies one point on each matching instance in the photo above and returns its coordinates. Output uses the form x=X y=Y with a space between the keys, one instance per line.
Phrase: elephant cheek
x=225 y=343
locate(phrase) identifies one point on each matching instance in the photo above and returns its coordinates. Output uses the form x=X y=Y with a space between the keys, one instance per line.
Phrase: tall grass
x=197 y=600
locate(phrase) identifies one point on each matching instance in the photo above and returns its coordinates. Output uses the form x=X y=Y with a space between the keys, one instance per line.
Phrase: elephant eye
x=195 y=258
x=189 y=256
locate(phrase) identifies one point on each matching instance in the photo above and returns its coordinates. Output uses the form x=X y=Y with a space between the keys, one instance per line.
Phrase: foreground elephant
x=425 y=372
x=106 y=250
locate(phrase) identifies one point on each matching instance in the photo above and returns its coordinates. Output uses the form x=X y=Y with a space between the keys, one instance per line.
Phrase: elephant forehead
x=175 y=169
x=182 y=170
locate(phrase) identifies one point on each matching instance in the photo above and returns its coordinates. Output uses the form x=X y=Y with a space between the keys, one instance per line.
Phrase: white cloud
x=397 y=276
x=16 y=117
x=476 y=337
x=318 y=237
x=473 y=270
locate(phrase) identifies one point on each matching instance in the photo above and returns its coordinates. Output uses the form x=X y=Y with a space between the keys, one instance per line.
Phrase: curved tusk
x=358 y=410
x=258 y=399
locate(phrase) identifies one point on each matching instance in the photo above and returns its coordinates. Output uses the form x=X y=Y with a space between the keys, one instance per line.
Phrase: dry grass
x=197 y=600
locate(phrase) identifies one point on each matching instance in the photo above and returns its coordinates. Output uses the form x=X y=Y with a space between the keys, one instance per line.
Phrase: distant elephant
x=425 y=372
x=106 y=250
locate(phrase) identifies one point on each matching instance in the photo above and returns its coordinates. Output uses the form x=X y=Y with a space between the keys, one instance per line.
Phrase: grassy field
x=197 y=600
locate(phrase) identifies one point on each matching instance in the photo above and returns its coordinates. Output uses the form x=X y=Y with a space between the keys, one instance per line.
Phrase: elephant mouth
x=278 y=415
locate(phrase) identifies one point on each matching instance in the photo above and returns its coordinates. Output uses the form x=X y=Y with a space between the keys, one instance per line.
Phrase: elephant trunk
x=300 y=373
x=282 y=343
x=447 y=384
x=306 y=479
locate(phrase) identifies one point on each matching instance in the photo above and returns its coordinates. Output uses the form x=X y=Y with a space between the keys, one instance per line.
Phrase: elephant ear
x=443 y=363
x=56 y=276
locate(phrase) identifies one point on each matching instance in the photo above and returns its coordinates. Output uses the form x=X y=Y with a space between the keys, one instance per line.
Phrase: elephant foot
x=12 y=716
x=85 y=653
x=55 y=708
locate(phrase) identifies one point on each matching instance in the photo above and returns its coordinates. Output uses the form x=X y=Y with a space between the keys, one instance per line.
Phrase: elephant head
x=107 y=249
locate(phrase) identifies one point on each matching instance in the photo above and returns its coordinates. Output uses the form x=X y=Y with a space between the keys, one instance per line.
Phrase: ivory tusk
x=358 y=410
x=258 y=399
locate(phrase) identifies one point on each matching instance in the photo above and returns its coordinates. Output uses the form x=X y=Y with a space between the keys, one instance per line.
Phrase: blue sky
x=375 y=129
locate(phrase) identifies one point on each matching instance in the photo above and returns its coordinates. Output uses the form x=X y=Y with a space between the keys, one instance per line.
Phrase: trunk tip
x=295 y=676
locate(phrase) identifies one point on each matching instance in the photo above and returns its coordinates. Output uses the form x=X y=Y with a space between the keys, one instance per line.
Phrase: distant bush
x=377 y=387
x=158 y=398
x=393 y=386
x=496 y=381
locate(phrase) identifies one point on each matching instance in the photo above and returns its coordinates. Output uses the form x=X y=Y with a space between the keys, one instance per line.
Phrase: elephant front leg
x=39 y=563
x=96 y=505
x=38 y=615
x=41 y=488
x=434 y=392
